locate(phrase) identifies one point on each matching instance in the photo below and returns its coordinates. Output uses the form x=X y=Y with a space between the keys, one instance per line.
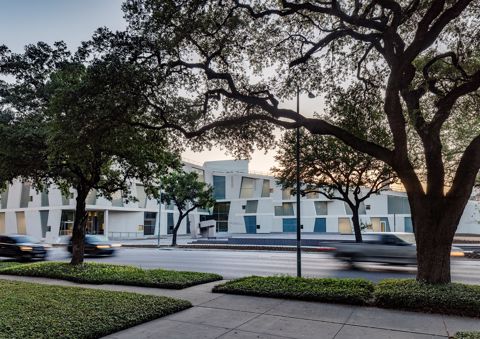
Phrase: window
x=220 y=214
x=367 y=207
x=170 y=223
x=66 y=223
x=91 y=197
x=218 y=187
x=149 y=220
x=321 y=207
x=117 y=199
x=44 y=198
x=170 y=206
x=30 y=198
x=247 y=188
x=141 y=196
x=200 y=172
x=286 y=194
x=284 y=210
x=44 y=222
x=4 y=198
x=25 y=195
x=266 y=188
x=398 y=205
x=251 y=206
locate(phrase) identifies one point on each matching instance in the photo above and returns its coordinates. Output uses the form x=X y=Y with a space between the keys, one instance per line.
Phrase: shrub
x=408 y=294
x=97 y=273
x=347 y=291
x=467 y=335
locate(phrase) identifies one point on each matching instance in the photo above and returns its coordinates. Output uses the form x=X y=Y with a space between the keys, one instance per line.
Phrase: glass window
x=348 y=210
x=66 y=222
x=200 y=172
x=149 y=221
x=44 y=197
x=4 y=198
x=398 y=205
x=25 y=195
x=44 y=222
x=321 y=207
x=91 y=197
x=266 y=188
x=141 y=196
x=170 y=223
x=286 y=194
x=251 y=206
x=284 y=210
x=117 y=199
x=247 y=188
x=220 y=214
x=219 y=187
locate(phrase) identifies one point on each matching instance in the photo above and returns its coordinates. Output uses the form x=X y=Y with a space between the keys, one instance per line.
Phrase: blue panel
x=289 y=225
x=320 y=225
x=250 y=223
x=408 y=224
x=218 y=187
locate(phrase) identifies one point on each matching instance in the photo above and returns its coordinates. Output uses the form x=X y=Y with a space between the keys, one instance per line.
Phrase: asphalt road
x=235 y=264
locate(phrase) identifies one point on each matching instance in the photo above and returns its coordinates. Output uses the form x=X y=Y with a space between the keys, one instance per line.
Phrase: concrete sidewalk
x=230 y=316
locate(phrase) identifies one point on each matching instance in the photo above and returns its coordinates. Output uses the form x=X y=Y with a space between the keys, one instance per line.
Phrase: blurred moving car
x=21 y=247
x=389 y=248
x=96 y=245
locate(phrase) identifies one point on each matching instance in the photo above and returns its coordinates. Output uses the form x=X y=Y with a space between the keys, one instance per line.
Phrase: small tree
x=332 y=168
x=187 y=193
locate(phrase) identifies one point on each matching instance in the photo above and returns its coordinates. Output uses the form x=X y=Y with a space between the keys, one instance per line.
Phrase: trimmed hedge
x=41 y=312
x=408 y=294
x=346 y=291
x=98 y=273
x=467 y=335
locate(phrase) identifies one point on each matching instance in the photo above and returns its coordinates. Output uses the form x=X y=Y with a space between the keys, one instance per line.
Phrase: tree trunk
x=435 y=226
x=356 y=224
x=79 y=225
x=175 y=230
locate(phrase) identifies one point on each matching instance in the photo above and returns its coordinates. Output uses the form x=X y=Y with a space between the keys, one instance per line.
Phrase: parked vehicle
x=21 y=247
x=388 y=248
x=96 y=245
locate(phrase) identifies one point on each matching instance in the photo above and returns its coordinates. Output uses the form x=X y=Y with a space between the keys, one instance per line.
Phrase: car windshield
x=96 y=238
x=408 y=238
x=20 y=239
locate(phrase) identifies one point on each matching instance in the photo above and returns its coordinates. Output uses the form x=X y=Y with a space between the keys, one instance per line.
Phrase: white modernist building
x=246 y=203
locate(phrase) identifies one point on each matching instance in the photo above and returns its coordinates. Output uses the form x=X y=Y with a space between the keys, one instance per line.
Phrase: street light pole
x=159 y=216
x=297 y=159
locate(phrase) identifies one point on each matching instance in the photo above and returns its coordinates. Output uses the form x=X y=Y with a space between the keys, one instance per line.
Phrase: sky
x=24 y=22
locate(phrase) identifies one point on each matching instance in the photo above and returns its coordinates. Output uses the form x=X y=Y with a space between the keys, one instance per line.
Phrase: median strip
x=98 y=273
x=38 y=311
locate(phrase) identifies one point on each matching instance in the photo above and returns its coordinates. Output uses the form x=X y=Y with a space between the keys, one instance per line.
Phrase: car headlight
x=25 y=248
x=457 y=254
x=116 y=245
x=102 y=246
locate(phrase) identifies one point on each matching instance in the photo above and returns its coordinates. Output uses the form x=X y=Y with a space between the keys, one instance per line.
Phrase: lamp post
x=298 y=184
x=159 y=216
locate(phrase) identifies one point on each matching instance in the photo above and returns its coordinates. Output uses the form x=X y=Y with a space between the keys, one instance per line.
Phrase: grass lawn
x=39 y=311
x=347 y=291
x=97 y=273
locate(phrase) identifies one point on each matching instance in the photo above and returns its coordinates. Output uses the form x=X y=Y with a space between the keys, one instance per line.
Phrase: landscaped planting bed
x=97 y=273
x=408 y=294
x=467 y=335
x=404 y=294
x=346 y=291
x=39 y=311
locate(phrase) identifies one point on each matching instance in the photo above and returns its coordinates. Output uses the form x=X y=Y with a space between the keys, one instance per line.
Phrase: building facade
x=246 y=203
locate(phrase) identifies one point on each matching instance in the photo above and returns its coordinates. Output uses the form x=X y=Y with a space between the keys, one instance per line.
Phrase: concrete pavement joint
x=344 y=323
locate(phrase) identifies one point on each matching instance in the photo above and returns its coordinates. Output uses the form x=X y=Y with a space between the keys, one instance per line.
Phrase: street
x=235 y=264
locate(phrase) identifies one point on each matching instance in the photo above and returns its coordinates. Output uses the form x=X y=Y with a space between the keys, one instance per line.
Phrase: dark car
x=96 y=245
x=388 y=248
x=21 y=247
